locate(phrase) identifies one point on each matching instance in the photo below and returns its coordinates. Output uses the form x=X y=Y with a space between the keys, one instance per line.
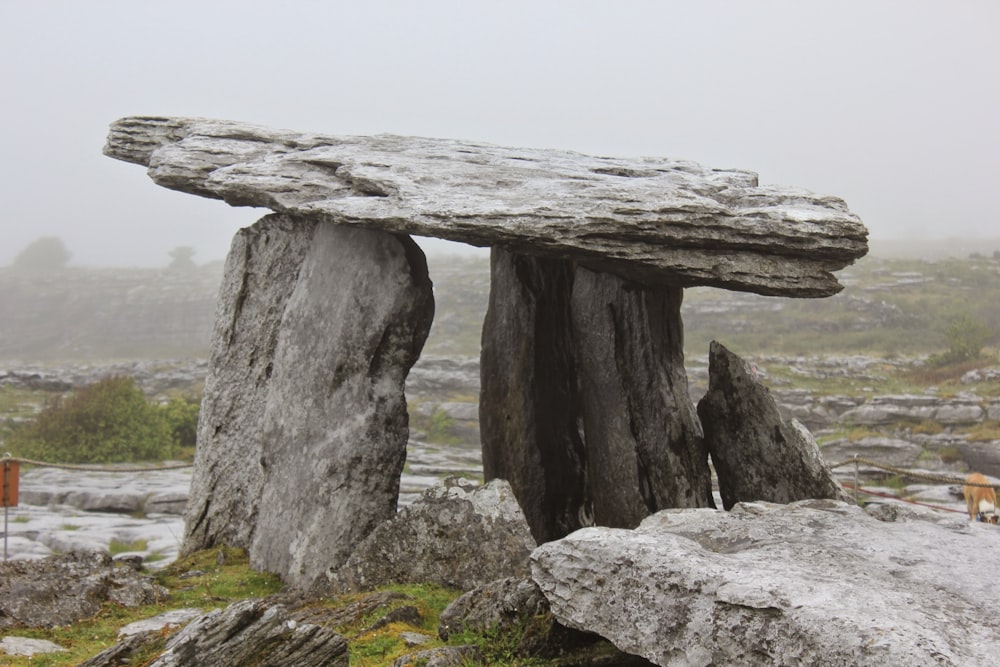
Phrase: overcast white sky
x=892 y=105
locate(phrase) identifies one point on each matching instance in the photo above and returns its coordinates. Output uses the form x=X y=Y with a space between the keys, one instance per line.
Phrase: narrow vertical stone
x=645 y=450
x=528 y=416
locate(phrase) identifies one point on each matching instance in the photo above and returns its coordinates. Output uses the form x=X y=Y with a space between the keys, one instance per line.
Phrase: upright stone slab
x=528 y=416
x=261 y=272
x=645 y=450
x=326 y=430
x=757 y=455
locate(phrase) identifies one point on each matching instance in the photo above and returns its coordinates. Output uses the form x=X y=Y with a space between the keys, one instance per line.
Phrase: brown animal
x=980 y=500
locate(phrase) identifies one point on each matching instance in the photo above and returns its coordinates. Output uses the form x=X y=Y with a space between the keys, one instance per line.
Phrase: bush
x=47 y=253
x=181 y=415
x=108 y=421
x=967 y=338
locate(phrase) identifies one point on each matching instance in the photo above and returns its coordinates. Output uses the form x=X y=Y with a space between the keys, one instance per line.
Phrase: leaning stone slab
x=457 y=534
x=650 y=220
x=816 y=582
x=757 y=455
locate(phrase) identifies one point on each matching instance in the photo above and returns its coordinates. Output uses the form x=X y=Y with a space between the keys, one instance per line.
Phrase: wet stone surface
x=143 y=512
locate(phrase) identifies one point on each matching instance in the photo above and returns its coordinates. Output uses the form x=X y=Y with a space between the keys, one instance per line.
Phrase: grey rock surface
x=814 y=582
x=498 y=604
x=253 y=631
x=304 y=427
x=168 y=619
x=445 y=656
x=64 y=589
x=27 y=646
x=457 y=534
x=888 y=409
x=756 y=454
x=652 y=220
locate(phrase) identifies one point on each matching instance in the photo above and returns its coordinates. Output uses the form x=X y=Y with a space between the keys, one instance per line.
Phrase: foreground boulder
x=815 y=582
x=61 y=590
x=457 y=534
x=757 y=455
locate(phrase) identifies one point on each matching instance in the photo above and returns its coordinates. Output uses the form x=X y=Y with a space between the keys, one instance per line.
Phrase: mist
x=891 y=106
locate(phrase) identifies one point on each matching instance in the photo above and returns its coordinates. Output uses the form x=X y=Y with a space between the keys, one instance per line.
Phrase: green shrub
x=966 y=338
x=108 y=421
x=181 y=415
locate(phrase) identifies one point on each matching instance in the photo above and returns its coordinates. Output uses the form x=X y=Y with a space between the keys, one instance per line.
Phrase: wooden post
x=10 y=475
x=9 y=496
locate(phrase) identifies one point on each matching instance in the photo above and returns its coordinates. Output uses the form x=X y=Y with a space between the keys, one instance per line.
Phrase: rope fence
x=902 y=472
x=92 y=467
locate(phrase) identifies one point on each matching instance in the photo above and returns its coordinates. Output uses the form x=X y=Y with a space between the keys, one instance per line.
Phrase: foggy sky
x=892 y=105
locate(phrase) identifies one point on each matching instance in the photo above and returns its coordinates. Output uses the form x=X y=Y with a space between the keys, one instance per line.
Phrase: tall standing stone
x=261 y=272
x=326 y=430
x=645 y=450
x=529 y=418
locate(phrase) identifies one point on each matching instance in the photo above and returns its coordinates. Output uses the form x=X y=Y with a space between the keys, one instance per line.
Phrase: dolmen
x=584 y=409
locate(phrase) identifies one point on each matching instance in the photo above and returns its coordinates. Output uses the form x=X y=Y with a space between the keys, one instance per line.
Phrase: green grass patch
x=116 y=547
x=984 y=431
x=199 y=580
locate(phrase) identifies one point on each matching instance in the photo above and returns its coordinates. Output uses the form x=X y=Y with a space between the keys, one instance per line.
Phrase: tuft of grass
x=984 y=431
x=928 y=427
x=950 y=454
x=116 y=546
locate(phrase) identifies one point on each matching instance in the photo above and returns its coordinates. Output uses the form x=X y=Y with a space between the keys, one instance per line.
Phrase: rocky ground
x=141 y=512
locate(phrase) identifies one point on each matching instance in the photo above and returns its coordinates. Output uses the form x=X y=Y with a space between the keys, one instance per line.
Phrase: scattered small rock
x=26 y=646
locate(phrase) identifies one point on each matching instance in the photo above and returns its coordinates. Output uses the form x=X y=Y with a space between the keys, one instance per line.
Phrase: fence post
x=9 y=496
x=857 y=494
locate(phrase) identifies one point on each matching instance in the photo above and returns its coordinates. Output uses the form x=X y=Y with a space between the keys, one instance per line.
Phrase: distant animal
x=981 y=501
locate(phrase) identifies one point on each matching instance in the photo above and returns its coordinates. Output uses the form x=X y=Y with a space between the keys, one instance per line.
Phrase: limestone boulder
x=757 y=455
x=61 y=590
x=814 y=582
x=457 y=534
x=650 y=220
x=498 y=604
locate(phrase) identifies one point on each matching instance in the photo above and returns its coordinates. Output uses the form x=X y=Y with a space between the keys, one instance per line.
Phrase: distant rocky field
x=852 y=367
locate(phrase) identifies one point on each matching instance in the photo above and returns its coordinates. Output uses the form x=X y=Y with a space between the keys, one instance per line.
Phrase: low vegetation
x=215 y=578
x=109 y=421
